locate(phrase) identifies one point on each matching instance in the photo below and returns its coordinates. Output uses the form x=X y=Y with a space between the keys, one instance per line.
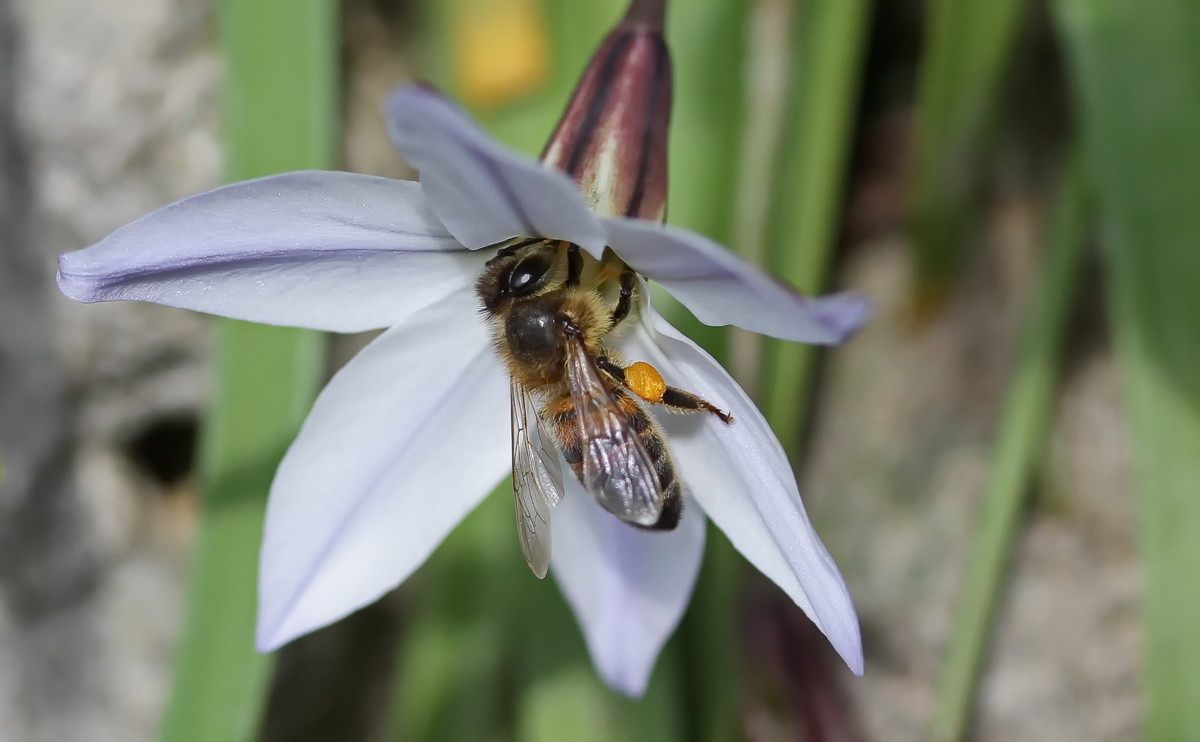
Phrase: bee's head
x=519 y=272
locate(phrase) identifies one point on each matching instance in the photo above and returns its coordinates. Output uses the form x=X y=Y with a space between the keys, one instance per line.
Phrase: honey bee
x=552 y=308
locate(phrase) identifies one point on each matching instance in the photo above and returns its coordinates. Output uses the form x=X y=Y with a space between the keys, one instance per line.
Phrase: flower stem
x=1022 y=432
x=647 y=13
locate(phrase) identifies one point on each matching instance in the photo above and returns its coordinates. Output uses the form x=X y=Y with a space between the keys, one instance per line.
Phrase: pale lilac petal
x=405 y=441
x=627 y=587
x=326 y=250
x=722 y=289
x=483 y=192
x=741 y=476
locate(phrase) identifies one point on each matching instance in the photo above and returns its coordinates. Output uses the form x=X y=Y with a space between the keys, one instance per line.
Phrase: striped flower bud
x=612 y=138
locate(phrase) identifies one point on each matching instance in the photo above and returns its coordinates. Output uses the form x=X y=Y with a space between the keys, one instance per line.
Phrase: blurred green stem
x=708 y=48
x=712 y=665
x=829 y=37
x=280 y=114
x=1019 y=440
x=967 y=48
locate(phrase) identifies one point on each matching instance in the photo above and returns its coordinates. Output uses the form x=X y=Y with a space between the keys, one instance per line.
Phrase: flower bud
x=612 y=139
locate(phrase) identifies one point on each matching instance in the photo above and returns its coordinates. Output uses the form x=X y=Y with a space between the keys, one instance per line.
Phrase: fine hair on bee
x=552 y=308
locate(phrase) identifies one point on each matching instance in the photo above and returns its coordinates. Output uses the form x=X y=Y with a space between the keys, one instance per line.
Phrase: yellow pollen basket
x=646 y=382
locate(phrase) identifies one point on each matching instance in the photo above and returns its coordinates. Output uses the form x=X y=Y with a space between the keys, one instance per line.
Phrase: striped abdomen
x=561 y=415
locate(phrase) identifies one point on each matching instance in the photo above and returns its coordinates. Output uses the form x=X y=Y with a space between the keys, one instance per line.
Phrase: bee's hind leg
x=644 y=380
x=681 y=401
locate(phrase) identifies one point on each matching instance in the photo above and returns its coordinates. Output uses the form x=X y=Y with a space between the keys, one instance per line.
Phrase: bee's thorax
x=533 y=331
x=532 y=334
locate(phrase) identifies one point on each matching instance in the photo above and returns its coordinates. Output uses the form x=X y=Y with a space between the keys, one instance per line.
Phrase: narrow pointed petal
x=325 y=250
x=741 y=476
x=627 y=587
x=483 y=192
x=612 y=138
x=722 y=289
x=404 y=441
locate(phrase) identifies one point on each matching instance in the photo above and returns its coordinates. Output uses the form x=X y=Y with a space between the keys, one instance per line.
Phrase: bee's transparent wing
x=616 y=470
x=537 y=481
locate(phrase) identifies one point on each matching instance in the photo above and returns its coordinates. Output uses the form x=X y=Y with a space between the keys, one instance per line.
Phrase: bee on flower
x=513 y=298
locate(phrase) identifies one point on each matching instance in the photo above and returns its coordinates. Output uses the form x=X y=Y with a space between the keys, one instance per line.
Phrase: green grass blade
x=265 y=379
x=708 y=49
x=824 y=88
x=457 y=649
x=280 y=115
x=712 y=666
x=1019 y=439
x=967 y=48
x=1133 y=67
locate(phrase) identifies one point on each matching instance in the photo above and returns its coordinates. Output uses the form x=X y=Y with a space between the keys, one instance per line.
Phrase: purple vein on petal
x=505 y=188
x=842 y=314
x=228 y=261
x=485 y=161
x=470 y=374
x=615 y=533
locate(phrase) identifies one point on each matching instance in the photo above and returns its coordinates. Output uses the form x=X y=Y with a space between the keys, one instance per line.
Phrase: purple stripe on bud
x=612 y=139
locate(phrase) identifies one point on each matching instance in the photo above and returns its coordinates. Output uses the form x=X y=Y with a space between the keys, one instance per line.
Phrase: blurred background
x=1004 y=462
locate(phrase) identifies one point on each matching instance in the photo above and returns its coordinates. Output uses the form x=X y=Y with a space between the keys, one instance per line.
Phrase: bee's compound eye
x=527 y=274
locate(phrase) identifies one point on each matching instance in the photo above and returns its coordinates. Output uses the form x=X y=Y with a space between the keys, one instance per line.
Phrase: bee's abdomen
x=563 y=419
x=652 y=440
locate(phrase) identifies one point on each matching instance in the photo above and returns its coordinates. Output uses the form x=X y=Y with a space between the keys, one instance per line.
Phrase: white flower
x=414 y=431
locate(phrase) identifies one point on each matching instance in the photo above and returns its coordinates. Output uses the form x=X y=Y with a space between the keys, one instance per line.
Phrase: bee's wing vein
x=616 y=469
x=537 y=481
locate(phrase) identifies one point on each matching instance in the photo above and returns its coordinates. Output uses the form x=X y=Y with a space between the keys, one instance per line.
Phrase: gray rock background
x=109 y=109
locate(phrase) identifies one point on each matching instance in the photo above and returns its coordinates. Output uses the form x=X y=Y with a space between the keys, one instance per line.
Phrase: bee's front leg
x=574 y=264
x=647 y=383
x=625 y=298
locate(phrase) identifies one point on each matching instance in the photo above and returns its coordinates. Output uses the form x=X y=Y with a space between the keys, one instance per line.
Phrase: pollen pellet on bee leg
x=645 y=381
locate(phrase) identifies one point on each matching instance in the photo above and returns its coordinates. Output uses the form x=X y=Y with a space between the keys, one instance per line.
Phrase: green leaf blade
x=1133 y=69
x=280 y=115
x=807 y=205
x=1023 y=430
x=966 y=54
